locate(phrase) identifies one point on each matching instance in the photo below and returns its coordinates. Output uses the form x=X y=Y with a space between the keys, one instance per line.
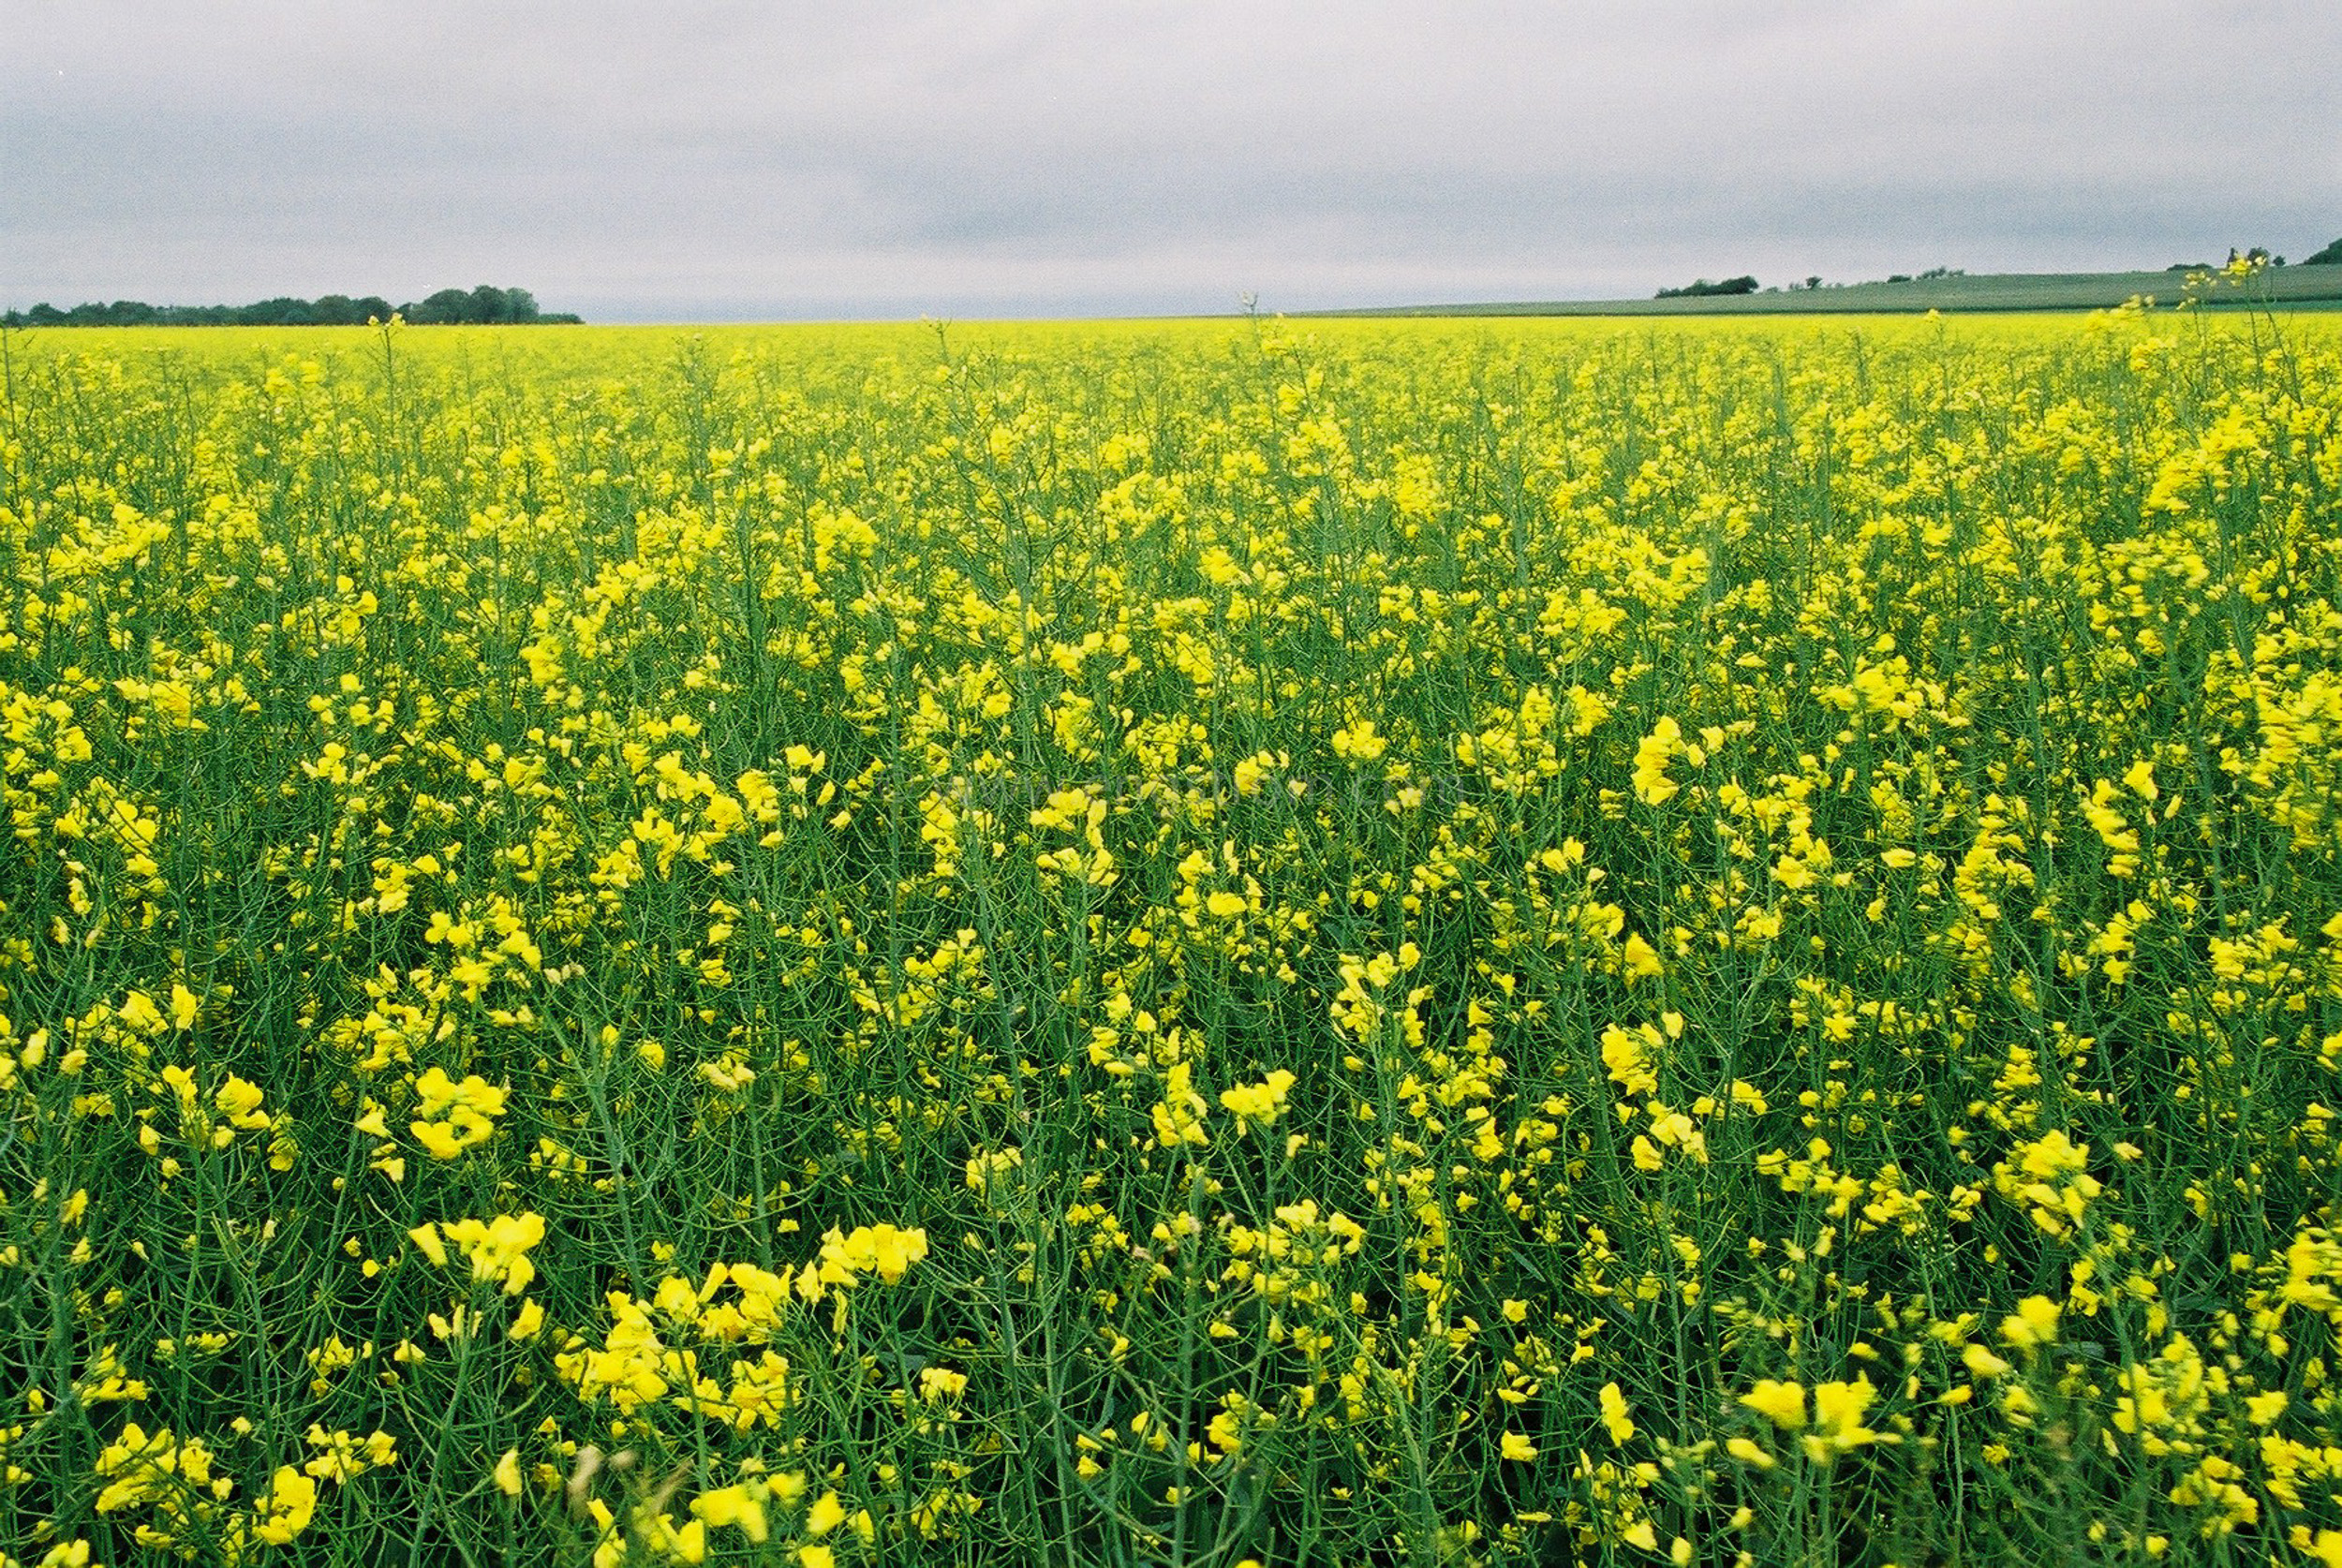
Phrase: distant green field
x=2287 y=285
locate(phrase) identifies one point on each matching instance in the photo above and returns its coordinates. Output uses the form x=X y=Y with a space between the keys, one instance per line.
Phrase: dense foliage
x=1705 y=289
x=1173 y=944
x=486 y=305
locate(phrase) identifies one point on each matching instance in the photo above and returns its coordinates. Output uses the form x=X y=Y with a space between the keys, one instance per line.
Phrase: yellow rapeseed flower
x=2032 y=1325
x=1781 y=1403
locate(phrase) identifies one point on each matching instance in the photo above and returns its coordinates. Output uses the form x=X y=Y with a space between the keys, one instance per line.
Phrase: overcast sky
x=697 y=160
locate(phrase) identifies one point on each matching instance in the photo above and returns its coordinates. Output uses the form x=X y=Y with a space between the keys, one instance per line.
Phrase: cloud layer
x=711 y=159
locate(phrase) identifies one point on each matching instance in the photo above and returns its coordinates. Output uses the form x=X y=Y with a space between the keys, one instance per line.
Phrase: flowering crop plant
x=1182 y=944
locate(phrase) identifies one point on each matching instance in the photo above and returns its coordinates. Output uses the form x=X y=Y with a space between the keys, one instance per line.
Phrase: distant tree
x=1813 y=282
x=446 y=307
x=2330 y=257
x=1704 y=288
x=282 y=311
x=489 y=304
x=483 y=305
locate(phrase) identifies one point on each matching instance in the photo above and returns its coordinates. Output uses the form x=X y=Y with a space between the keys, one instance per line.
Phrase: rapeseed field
x=1209 y=944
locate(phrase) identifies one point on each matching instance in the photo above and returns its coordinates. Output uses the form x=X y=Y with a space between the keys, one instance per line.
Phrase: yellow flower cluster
x=452 y=1117
x=498 y=1248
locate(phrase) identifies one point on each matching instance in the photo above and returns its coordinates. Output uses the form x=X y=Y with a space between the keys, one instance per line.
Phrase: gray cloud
x=716 y=159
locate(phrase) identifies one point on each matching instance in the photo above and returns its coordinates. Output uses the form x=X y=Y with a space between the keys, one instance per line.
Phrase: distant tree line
x=1703 y=288
x=2258 y=253
x=486 y=305
x=2330 y=257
